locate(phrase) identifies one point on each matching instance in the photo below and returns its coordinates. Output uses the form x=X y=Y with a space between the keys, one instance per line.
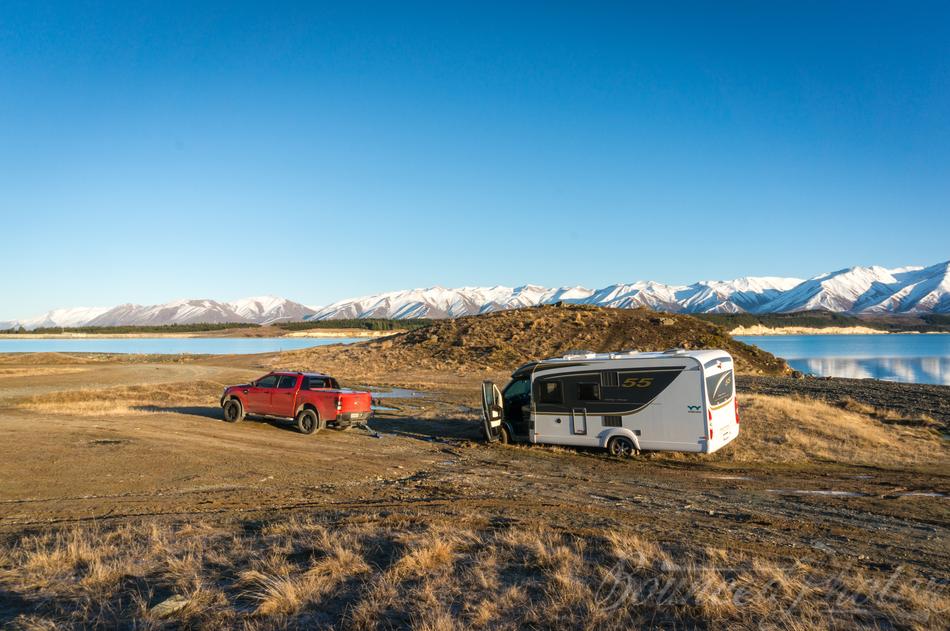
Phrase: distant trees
x=367 y=324
x=162 y=328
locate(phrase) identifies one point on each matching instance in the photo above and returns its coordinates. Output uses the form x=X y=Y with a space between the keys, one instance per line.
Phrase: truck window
x=588 y=392
x=719 y=387
x=267 y=382
x=550 y=392
x=312 y=383
x=287 y=381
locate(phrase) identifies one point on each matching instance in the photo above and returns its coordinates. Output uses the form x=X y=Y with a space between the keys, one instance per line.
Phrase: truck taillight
x=339 y=403
x=737 y=410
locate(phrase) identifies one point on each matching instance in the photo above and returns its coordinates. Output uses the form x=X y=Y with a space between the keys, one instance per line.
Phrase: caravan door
x=492 y=411
x=579 y=421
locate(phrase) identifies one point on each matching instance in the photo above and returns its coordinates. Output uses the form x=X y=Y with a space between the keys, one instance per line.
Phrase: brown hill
x=506 y=339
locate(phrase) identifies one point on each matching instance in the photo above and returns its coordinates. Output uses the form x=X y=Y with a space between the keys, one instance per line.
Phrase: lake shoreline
x=760 y=330
x=236 y=333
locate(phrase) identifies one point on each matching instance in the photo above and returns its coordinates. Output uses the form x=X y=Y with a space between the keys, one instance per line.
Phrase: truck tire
x=308 y=422
x=232 y=410
x=621 y=447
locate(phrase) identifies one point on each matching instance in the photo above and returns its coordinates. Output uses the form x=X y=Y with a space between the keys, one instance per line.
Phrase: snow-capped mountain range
x=852 y=290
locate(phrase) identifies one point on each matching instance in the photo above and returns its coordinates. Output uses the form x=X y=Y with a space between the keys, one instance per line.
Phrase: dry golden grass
x=39 y=371
x=398 y=572
x=124 y=399
x=888 y=415
x=787 y=429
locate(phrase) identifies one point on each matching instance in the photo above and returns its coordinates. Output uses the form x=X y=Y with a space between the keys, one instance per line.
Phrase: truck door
x=259 y=395
x=283 y=399
x=492 y=411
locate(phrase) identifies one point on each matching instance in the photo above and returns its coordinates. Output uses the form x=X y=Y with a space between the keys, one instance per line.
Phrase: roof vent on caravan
x=579 y=355
x=674 y=351
x=620 y=354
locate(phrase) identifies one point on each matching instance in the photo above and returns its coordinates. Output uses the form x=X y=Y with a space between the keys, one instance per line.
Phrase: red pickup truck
x=313 y=400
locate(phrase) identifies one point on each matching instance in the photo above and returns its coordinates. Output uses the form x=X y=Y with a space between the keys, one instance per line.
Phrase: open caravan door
x=492 y=411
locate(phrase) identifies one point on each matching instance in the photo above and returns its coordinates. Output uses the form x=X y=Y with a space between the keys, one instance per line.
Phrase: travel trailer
x=625 y=402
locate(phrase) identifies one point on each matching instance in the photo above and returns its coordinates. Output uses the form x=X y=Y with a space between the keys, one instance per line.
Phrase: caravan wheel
x=503 y=436
x=621 y=447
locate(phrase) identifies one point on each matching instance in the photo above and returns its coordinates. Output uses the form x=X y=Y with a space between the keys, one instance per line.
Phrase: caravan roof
x=704 y=357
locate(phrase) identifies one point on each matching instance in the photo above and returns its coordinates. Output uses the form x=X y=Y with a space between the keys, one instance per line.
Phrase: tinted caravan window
x=719 y=387
x=588 y=392
x=550 y=392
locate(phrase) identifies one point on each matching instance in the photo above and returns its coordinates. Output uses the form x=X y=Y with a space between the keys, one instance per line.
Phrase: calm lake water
x=169 y=345
x=899 y=357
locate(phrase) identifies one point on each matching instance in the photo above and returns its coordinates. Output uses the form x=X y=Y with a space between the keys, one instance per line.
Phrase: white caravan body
x=667 y=401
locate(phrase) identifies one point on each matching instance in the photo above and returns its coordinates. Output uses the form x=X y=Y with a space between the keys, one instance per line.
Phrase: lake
x=896 y=357
x=168 y=345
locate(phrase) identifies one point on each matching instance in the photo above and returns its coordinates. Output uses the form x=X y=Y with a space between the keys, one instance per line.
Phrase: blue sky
x=161 y=150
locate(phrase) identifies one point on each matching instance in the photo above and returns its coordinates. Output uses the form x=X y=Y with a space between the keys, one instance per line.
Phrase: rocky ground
x=129 y=503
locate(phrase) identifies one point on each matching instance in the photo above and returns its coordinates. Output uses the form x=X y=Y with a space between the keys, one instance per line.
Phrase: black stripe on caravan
x=713 y=362
x=543 y=367
x=610 y=407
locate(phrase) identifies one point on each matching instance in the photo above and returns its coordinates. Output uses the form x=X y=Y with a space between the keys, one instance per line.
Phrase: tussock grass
x=791 y=429
x=887 y=415
x=395 y=573
x=121 y=400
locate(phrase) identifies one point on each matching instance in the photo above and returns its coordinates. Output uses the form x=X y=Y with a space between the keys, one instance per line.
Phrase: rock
x=169 y=606
x=797 y=374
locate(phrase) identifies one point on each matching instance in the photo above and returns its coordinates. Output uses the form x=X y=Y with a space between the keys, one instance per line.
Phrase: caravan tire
x=621 y=447
x=503 y=436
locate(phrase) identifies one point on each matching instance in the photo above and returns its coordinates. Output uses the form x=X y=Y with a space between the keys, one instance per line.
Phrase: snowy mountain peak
x=873 y=289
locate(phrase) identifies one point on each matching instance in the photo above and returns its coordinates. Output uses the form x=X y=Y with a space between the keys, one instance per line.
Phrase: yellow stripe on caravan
x=723 y=405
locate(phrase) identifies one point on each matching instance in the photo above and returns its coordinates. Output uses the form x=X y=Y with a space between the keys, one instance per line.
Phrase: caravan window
x=588 y=392
x=550 y=392
x=719 y=387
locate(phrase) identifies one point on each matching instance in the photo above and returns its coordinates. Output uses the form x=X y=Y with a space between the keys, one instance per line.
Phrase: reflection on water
x=397 y=393
x=901 y=357
x=907 y=369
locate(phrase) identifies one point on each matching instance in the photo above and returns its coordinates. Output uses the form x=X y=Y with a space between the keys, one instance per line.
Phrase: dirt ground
x=129 y=463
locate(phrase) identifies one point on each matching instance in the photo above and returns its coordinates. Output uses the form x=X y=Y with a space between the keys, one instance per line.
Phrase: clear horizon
x=323 y=153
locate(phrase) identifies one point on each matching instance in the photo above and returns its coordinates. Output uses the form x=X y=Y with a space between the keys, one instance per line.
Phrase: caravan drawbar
x=625 y=402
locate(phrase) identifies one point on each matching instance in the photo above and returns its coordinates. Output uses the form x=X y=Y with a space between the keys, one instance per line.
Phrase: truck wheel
x=621 y=447
x=233 y=411
x=503 y=436
x=308 y=422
